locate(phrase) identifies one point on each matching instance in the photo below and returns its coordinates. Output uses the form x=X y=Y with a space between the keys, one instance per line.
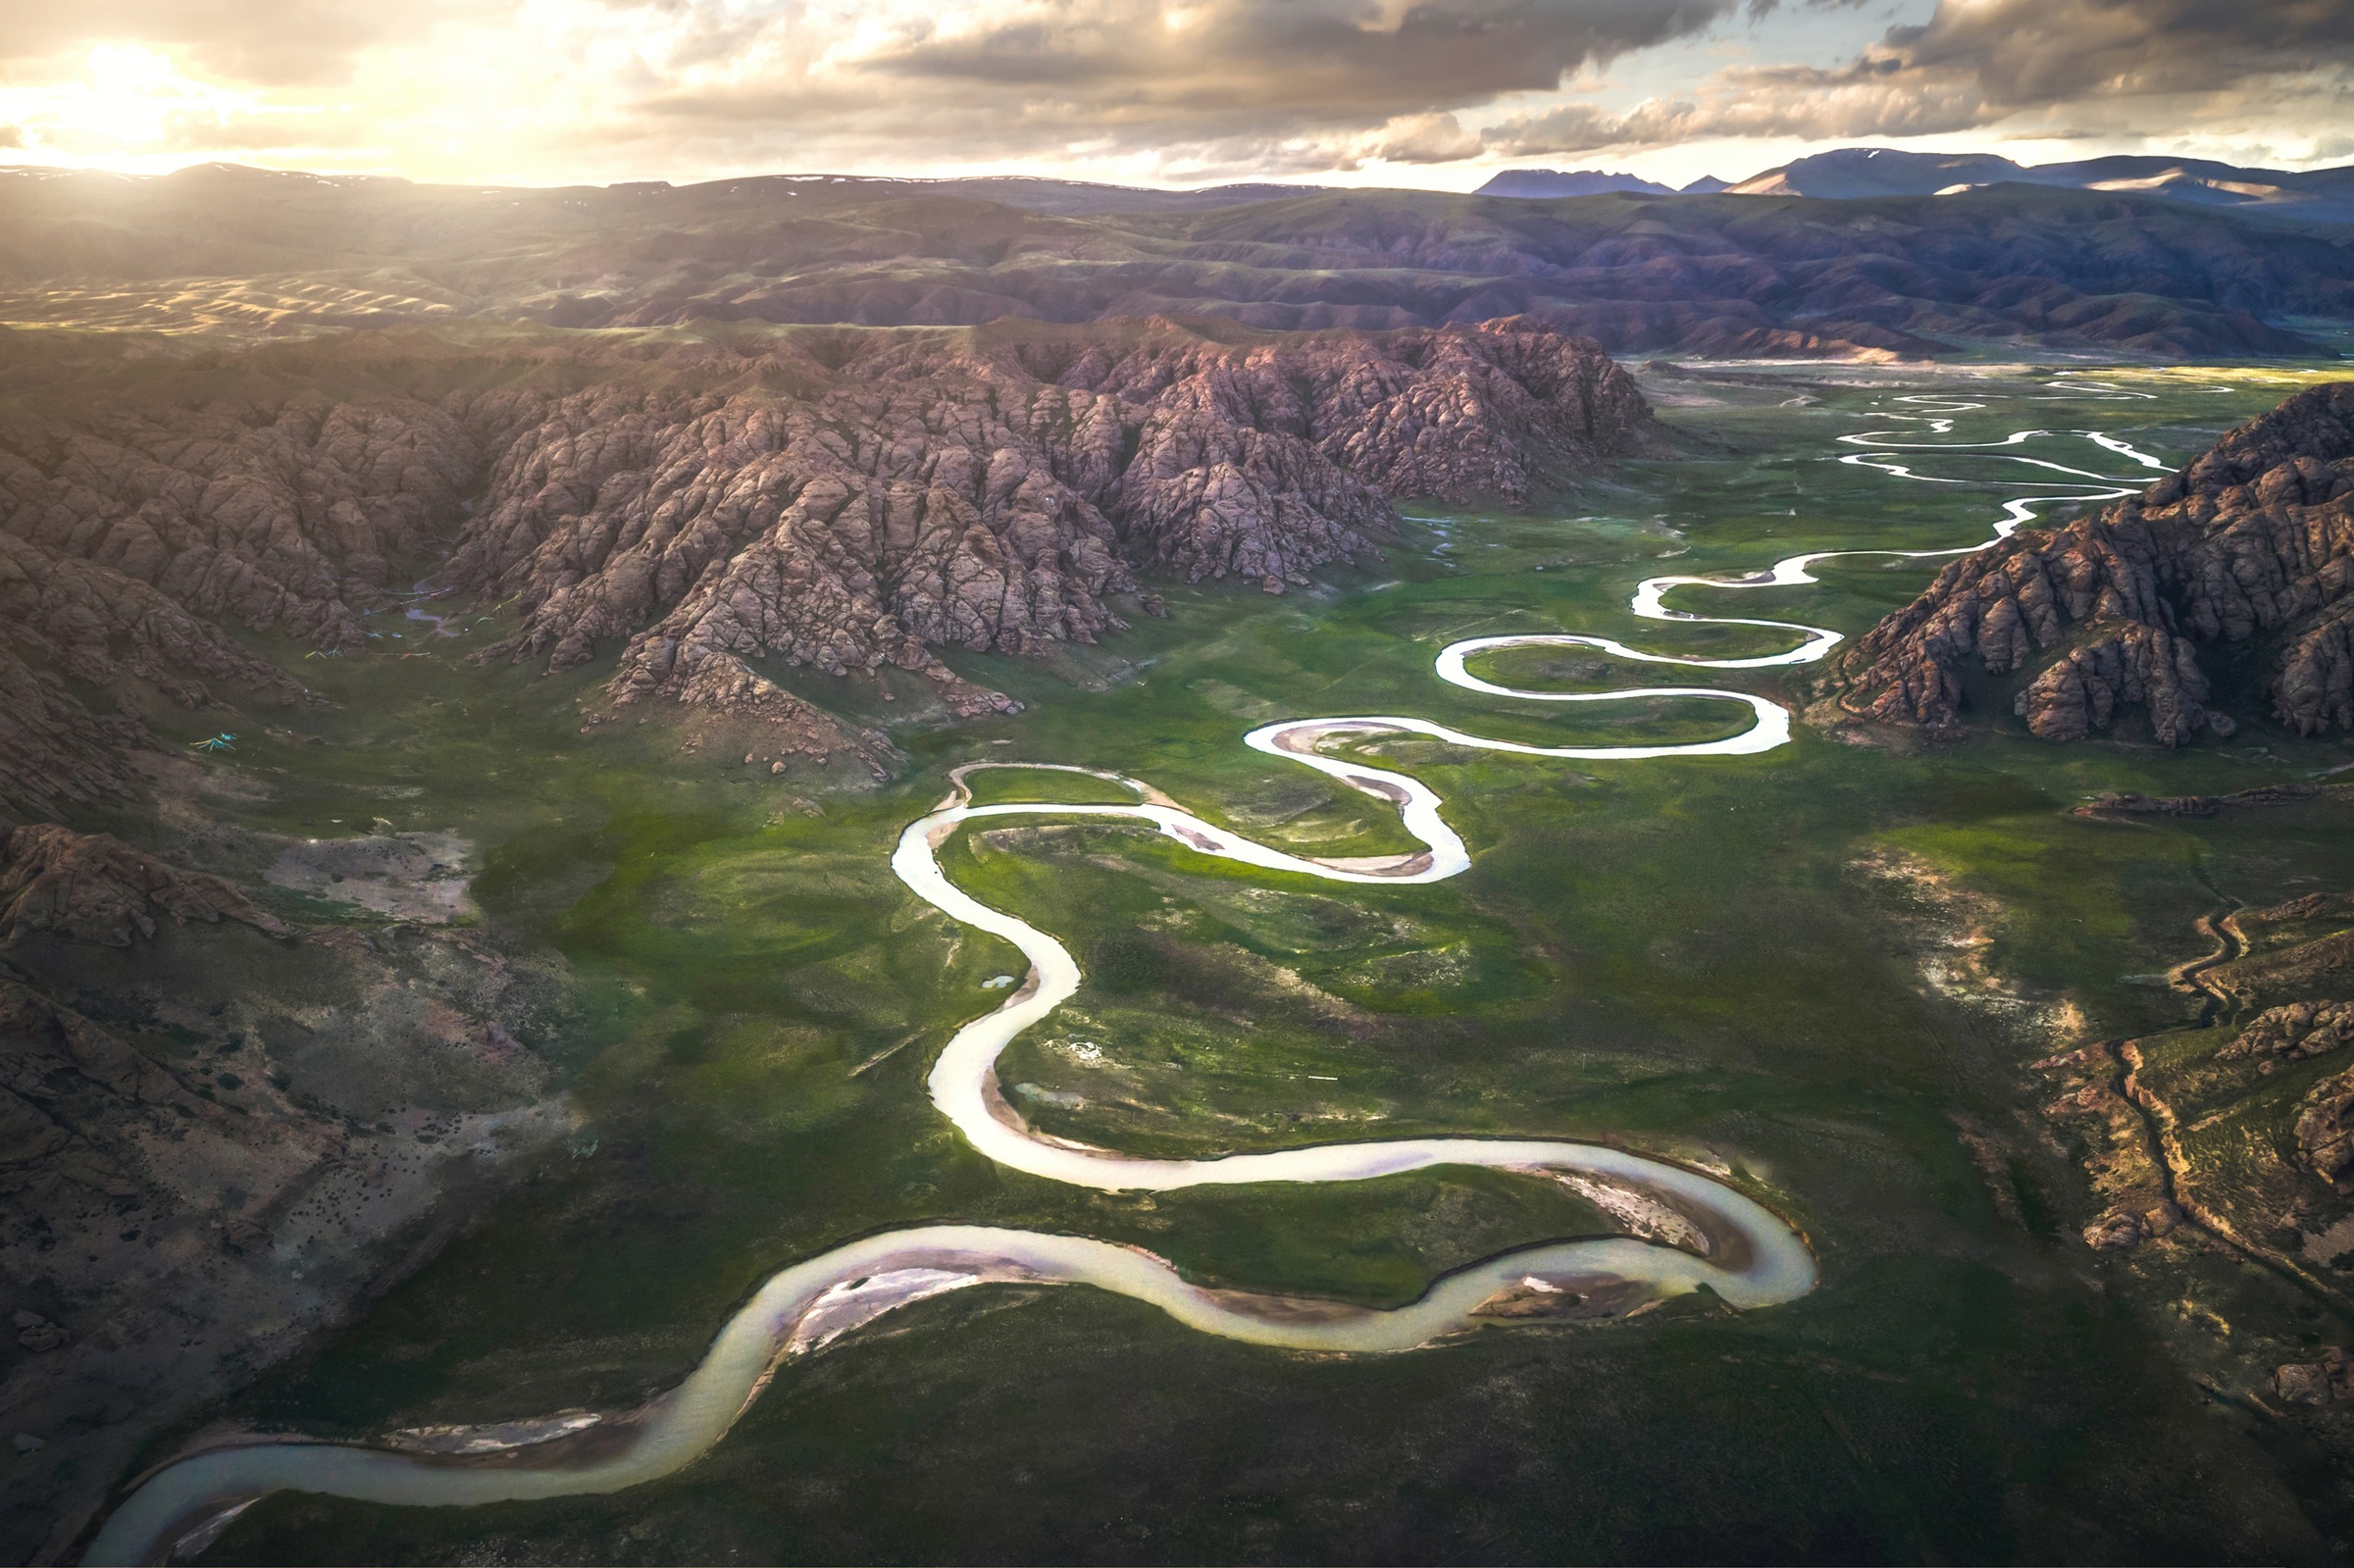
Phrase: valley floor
x=1935 y=1007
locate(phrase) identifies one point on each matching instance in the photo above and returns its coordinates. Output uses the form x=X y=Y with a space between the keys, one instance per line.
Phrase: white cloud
x=1410 y=91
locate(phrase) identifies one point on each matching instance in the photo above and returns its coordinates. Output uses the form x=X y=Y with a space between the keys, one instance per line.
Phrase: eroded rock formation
x=2112 y=613
x=271 y=515
x=865 y=498
x=96 y=889
x=53 y=750
x=2293 y=1032
x=129 y=543
x=2325 y=1130
x=835 y=498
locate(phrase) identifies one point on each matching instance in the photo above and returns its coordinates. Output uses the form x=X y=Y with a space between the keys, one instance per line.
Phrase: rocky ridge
x=2113 y=612
x=840 y=499
x=995 y=496
x=128 y=545
x=96 y=889
x=2293 y=1032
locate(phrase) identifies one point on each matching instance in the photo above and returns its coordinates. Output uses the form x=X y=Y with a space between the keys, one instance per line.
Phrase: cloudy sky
x=1180 y=92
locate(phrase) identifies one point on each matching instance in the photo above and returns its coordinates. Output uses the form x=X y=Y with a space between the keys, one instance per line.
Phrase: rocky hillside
x=210 y=1139
x=834 y=498
x=2124 y=611
x=130 y=542
x=252 y=251
x=994 y=495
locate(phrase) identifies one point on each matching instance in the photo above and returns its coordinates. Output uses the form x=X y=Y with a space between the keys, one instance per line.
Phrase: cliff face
x=910 y=495
x=2255 y=539
x=96 y=889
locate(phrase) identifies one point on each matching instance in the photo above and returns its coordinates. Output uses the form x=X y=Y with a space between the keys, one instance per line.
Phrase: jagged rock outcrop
x=96 y=889
x=2325 y=1130
x=284 y=517
x=726 y=685
x=2293 y=1032
x=858 y=499
x=95 y=624
x=127 y=539
x=837 y=498
x=2255 y=538
x=61 y=617
x=53 y=751
x=2329 y=1380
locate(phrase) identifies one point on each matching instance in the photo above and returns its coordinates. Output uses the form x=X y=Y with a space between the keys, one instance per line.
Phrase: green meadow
x=1814 y=966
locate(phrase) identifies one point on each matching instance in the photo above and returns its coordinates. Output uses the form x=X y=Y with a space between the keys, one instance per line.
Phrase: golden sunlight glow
x=1155 y=91
x=132 y=107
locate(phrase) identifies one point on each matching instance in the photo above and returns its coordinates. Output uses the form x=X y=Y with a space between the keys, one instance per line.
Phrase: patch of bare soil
x=420 y=876
x=1949 y=929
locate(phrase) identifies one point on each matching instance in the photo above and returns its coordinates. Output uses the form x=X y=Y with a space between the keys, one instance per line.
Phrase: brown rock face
x=209 y=1155
x=124 y=541
x=96 y=889
x=66 y=617
x=2323 y=1382
x=2255 y=538
x=856 y=504
x=280 y=518
x=2294 y=1032
x=53 y=750
x=836 y=497
x=2326 y=1129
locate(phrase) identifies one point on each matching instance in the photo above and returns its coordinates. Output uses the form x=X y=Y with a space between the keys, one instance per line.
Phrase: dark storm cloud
x=1138 y=71
x=1978 y=62
x=1344 y=57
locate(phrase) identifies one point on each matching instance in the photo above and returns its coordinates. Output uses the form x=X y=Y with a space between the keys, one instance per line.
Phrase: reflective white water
x=1745 y=1253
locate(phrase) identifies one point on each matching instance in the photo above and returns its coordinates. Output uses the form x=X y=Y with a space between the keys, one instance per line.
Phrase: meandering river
x=1703 y=1232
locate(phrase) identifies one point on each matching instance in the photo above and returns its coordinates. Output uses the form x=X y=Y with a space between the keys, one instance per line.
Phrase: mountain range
x=2018 y=268
x=1548 y=184
x=1848 y=173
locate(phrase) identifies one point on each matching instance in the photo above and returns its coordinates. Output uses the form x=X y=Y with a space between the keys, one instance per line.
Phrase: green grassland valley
x=1872 y=980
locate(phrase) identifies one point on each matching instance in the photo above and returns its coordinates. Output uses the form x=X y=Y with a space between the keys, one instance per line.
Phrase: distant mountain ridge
x=1549 y=184
x=2326 y=195
x=253 y=251
x=1848 y=173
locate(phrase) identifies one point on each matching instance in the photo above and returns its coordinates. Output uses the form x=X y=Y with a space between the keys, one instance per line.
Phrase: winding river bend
x=1703 y=1230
